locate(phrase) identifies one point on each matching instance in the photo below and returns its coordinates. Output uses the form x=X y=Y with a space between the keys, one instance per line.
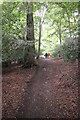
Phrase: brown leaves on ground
x=62 y=81
x=14 y=82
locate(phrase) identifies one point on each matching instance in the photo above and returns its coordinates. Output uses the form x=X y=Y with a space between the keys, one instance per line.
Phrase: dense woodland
x=30 y=30
x=48 y=87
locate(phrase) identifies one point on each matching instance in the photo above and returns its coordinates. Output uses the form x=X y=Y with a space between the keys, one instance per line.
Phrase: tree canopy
x=53 y=24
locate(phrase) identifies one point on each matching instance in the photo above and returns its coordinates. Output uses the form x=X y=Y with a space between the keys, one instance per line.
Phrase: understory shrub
x=68 y=50
x=13 y=51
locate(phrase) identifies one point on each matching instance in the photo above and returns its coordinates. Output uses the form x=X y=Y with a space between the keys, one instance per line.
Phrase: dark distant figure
x=46 y=55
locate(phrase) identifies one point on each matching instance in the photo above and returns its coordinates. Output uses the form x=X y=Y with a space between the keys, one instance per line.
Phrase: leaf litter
x=59 y=89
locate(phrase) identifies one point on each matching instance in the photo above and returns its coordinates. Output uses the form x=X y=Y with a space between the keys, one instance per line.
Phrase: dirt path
x=51 y=93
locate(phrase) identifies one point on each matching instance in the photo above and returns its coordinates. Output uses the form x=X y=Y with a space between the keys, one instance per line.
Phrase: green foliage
x=13 y=50
x=13 y=28
x=57 y=14
x=68 y=50
x=18 y=52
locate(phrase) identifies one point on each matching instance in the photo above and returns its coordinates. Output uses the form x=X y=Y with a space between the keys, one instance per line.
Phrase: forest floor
x=48 y=90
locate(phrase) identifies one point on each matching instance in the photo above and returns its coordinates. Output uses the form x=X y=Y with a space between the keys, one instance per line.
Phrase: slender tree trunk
x=40 y=26
x=79 y=34
x=74 y=25
x=59 y=30
x=69 y=24
x=69 y=27
x=30 y=49
x=74 y=18
x=60 y=34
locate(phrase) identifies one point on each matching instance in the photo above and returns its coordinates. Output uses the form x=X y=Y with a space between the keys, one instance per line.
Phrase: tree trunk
x=79 y=34
x=74 y=25
x=69 y=27
x=60 y=34
x=69 y=24
x=40 y=26
x=79 y=53
x=59 y=31
x=29 y=55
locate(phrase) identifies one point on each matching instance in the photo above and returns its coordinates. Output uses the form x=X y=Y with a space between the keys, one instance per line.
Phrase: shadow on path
x=41 y=94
